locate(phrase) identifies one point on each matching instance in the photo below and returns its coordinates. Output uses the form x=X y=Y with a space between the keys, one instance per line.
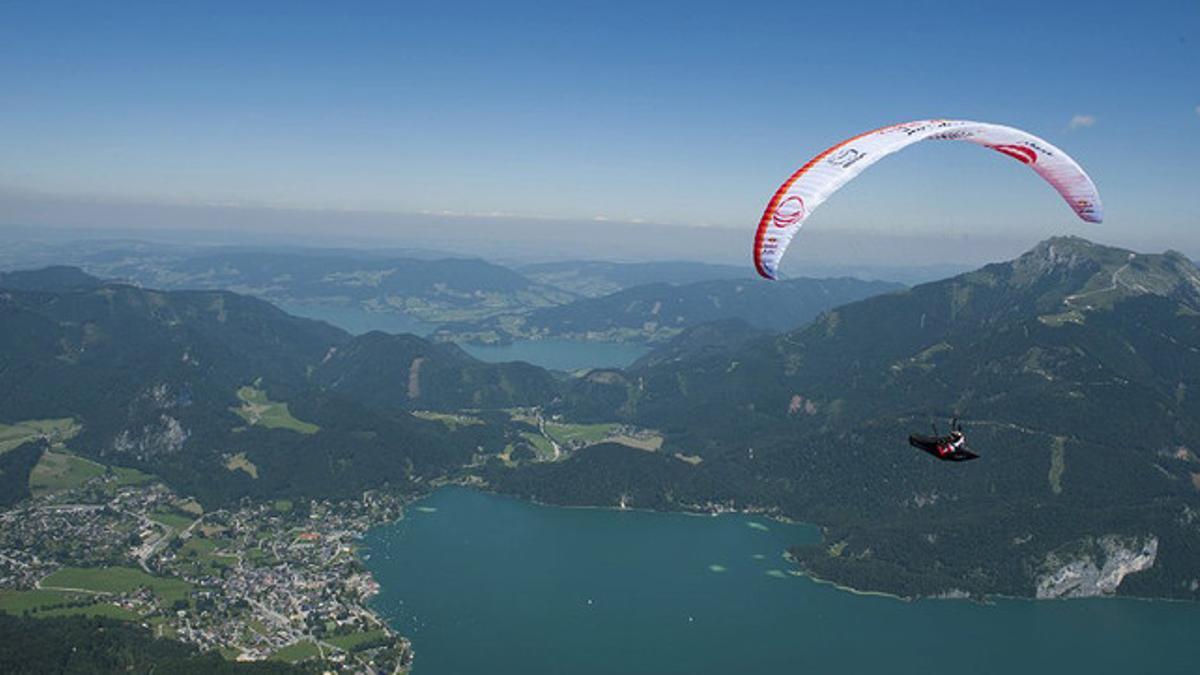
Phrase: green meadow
x=258 y=410
x=116 y=580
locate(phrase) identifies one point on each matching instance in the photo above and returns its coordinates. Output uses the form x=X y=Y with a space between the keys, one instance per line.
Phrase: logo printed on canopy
x=790 y=212
x=846 y=158
x=1020 y=153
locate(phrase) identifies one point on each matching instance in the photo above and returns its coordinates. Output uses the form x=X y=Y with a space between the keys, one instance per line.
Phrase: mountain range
x=430 y=290
x=1074 y=367
x=167 y=380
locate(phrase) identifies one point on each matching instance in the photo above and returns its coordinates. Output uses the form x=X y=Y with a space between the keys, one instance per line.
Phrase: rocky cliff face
x=1094 y=567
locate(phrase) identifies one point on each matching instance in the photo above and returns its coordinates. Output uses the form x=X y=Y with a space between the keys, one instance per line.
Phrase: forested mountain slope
x=179 y=383
x=1075 y=366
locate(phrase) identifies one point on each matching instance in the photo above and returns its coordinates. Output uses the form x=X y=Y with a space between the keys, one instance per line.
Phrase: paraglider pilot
x=951 y=448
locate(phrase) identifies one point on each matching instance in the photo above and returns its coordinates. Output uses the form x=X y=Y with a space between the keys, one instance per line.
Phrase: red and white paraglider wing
x=1051 y=163
x=824 y=174
x=812 y=184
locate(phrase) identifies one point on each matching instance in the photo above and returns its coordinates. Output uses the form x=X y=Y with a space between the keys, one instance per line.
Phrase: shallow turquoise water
x=486 y=584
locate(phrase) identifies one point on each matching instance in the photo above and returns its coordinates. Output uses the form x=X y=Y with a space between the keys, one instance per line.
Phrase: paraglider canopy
x=814 y=182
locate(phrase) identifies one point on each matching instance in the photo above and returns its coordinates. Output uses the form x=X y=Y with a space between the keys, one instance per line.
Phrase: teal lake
x=488 y=584
x=568 y=355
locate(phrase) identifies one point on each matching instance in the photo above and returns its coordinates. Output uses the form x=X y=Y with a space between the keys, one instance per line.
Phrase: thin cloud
x=1198 y=111
x=1082 y=122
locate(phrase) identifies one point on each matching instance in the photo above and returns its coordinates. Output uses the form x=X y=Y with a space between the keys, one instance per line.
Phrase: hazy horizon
x=526 y=132
x=518 y=240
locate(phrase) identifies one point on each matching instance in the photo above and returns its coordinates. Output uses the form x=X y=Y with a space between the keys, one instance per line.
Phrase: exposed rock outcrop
x=1094 y=567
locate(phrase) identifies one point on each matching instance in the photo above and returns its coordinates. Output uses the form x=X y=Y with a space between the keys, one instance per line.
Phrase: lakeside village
x=278 y=580
x=275 y=580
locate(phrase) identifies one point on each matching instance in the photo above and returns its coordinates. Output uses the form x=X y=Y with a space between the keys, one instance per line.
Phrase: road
x=553 y=443
x=1115 y=282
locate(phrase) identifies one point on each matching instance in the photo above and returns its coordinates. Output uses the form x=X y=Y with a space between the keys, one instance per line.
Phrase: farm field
x=116 y=580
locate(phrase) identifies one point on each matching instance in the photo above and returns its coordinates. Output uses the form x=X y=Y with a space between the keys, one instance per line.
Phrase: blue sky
x=681 y=113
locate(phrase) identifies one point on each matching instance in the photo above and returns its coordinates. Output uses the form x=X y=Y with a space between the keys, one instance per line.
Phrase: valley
x=214 y=461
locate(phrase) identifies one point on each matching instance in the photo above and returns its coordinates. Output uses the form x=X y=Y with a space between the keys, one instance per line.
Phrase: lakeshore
x=584 y=585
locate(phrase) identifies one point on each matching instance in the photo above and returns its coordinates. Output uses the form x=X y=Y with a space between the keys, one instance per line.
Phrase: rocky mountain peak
x=1059 y=255
x=1093 y=276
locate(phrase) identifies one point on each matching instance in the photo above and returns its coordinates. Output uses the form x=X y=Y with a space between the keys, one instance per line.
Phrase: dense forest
x=15 y=466
x=154 y=377
x=1073 y=366
x=90 y=646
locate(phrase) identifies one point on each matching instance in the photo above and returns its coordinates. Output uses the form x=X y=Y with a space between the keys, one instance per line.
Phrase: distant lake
x=566 y=355
x=487 y=584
